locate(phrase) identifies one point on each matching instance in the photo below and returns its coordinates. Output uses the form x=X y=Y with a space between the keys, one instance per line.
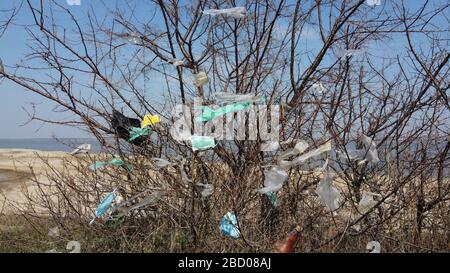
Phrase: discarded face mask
x=229 y=226
x=136 y=132
x=114 y=162
x=274 y=180
x=200 y=143
x=273 y=198
x=105 y=204
x=328 y=194
x=85 y=148
x=373 y=2
x=236 y=12
x=208 y=189
x=150 y=120
x=161 y=163
x=53 y=232
x=201 y=79
x=374 y=247
x=75 y=246
x=367 y=202
x=270 y=146
x=209 y=114
x=299 y=160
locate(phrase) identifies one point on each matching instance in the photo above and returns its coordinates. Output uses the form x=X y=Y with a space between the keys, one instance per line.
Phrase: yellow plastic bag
x=150 y=120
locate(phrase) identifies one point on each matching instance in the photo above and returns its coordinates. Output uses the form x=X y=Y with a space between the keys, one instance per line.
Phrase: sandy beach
x=17 y=166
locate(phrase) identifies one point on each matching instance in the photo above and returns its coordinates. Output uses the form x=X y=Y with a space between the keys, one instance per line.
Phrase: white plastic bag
x=208 y=189
x=328 y=194
x=84 y=148
x=270 y=146
x=374 y=247
x=236 y=12
x=201 y=79
x=367 y=202
x=299 y=160
x=274 y=180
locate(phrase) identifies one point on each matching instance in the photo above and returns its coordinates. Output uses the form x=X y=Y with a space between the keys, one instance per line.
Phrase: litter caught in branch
x=150 y=120
x=374 y=247
x=236 y=12
x=301 y=159
x=367 y=202
x=200 y=143
x=274 y=180
x=136 y=133
x=82 y=149
x=161 y=163
x=208 y=189
x=210 y=114
x=200 y=79
x=114 y=162
x=328 y=194
x=229 y=226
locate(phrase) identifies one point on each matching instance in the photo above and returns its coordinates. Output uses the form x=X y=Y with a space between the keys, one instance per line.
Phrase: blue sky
x=13 y=46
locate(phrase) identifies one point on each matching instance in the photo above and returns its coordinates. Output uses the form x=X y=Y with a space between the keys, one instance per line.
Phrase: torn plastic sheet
x=149 y=200
x=374 y=247
x=136 y=132
x=273 y=198
x=84 y=148
x=270 y=146
x=228 y=226
x=318 y=87
x=373 y=2
x=150 y=120
x=208 y=189
x=236 y=12
x=160 y=163
x=299 y=160
x=328 y=193
x=274 y=180
x=200 y=143
x=53 y=232
x=299 y=148
x=201 y=79
x=367 y=202
x=209 y=114
x=223 y=98
x=114 y=162
x=368 y=154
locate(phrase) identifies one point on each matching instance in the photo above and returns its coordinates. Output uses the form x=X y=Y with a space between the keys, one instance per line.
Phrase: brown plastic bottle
x=287 y=245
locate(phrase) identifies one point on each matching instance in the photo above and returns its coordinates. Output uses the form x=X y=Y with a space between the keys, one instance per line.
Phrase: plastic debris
x=208 y=189
x=274 y=180
x=367 y=202
x=73 y=2
x=136 y=132
x=273 y=198
x=270 y=146
x=150 y=120
x=122 y=126
x=229 y=226
x=299 y=160
x=114 y=162
x=299 y=148
x=75 y=246
x=177 y=63
x=223 y=98
x=2 y=68
x=236 y=12
x=161 y=163
x=374 y=247
x=210 y=114
x=287 y=245
x=373 y=2
x=318 y=87
x=145 y=201
x=201 y=79
x=368 y=154
x=328 y=194
x=53 y=232
x=105 y=204
x=84 y=148
x=200 y=143
x=134 y=38
x=349 y=52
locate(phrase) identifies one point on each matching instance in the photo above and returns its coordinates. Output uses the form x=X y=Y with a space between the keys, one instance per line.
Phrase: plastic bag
x=75 y=246
x=122 y=126
x=318 y=87
x=270 y=146
x=349 y=52
x=367 y=202
x=228 y=226
x=328 y=194
x=201 y=79
x=150 y=120
x=236 y=12
x=223 y=98
x=300 y=147
x=368 y=154
x=299 y=160
x=207 y=191
x=274 y=180
x=200 y=143
x=84 y=148
x=161 y=163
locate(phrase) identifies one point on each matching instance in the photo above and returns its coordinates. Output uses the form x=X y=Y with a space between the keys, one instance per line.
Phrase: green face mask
x=202 y=143
x=114 y=162
x=210 y=114
x=136 y=132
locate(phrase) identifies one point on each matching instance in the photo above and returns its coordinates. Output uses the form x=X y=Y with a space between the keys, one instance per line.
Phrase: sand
x=17 y=167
